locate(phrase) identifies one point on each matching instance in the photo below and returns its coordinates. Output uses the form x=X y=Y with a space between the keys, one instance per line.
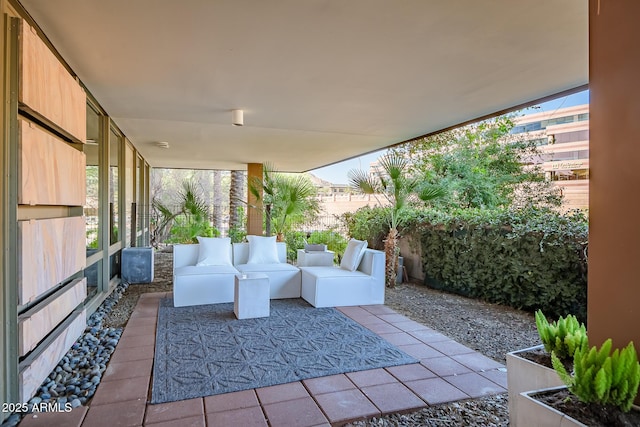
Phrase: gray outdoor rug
x=204 y=350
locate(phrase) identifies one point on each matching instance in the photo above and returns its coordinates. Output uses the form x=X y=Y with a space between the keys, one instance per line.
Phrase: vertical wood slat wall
x=51 y=173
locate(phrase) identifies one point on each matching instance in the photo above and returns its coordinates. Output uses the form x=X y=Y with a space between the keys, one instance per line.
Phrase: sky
x=337 y=173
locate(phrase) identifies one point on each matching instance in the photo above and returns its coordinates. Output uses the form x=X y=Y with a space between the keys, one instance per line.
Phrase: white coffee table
x=251 y=296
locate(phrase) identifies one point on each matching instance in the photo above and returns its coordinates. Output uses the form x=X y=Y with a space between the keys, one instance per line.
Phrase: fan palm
x=189 y=221
x=392 y=181
x=287 y=199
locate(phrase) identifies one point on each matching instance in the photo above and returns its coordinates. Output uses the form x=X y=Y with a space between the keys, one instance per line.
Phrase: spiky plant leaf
x=362 y=181
x=604 y=352
x=602 y=380
x=561 y=370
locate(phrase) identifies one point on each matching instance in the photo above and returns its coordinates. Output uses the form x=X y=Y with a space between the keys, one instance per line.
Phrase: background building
x=563 y=139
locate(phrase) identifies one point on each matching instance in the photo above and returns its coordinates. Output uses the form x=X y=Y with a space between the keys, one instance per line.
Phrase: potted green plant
x=599 y=391
x=531 y=369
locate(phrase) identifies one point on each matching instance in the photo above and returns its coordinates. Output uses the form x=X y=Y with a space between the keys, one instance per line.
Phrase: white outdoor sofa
x=284 y=278
x=336 y=287
x=321 y=286
x=212 y=284
x=194 y=285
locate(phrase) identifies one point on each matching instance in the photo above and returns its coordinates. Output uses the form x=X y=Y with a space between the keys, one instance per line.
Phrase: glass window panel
x=114 y=270
x=114 y=164
x=93 y=273
x=139 y=203
x=129 y=180
x=91 y=206
x=147 y=204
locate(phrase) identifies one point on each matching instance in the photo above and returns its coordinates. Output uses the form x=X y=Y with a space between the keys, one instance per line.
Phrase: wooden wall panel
x=51 y=172
x=34 y=374
x=33 y=329
x=47 y=87
x=50 y=250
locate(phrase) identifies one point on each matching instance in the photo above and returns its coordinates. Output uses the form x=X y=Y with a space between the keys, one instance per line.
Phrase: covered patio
x=154 y=84
x=447 y=371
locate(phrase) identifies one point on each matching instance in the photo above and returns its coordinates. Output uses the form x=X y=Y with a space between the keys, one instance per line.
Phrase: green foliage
x=335 y=241
x=238 y=234
x=393 y=182
x=369 y=224
x=601 y=377
x=288 y=199
x=563 y=337
x=190 y=221
x=481 y=166
x=527 y=259
x=295 y=240
x=186 y=230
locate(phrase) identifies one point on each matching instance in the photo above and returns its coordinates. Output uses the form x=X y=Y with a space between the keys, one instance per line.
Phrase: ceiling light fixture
x=237 y=117
x=162 y=144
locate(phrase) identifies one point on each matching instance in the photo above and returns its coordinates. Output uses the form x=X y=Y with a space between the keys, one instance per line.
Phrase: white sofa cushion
x=262 y=250
x=328 y=272
x=262 y=268
x=353 y=254
x=214 y=251
x=191 y=270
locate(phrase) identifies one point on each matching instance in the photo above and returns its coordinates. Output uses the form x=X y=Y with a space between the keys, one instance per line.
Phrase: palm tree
x=191 y=219
x=392 y=182
x=287 y=199
x=217 y=199
x=235 y=199
x=293 y=202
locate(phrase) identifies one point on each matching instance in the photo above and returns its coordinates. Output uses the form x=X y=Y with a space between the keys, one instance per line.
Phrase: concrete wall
x=338 y=204
x=411 y=251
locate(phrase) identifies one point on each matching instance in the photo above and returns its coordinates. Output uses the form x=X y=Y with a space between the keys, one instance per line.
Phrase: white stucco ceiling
x=319 y=80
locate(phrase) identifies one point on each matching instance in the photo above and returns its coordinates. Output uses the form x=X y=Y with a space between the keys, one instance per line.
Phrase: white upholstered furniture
x=284 y=278
x=335 y=286
x=212 y=284
x=204 y=284
x=315 y=258
x=251 y=296
x=321 y=286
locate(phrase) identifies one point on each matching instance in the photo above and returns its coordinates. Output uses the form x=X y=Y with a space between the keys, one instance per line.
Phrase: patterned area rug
x=204 y=350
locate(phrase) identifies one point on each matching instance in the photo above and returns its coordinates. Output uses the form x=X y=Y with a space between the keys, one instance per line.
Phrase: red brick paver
x=447 y=371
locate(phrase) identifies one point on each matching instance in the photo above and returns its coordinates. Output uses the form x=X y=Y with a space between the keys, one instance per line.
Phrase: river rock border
x=76 y=377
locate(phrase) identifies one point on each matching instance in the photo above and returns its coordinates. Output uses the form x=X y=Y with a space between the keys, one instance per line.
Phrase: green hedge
x=528 y=260
x=525 y=259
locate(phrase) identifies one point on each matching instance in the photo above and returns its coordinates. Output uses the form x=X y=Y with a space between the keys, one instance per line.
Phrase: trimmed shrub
x=529 y=259
x=369 y=224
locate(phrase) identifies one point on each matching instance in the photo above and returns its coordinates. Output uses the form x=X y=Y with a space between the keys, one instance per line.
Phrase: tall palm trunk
x=217 y=199
x=236 y=195
x=391 y=255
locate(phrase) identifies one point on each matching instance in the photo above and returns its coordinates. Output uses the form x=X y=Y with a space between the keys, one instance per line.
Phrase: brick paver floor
x=447 y=371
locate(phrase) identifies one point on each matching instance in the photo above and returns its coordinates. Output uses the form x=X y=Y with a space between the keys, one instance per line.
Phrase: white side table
x=251 y=296
x=315 y=258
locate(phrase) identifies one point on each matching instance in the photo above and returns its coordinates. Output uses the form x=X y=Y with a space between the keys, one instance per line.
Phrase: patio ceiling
x=319 y=81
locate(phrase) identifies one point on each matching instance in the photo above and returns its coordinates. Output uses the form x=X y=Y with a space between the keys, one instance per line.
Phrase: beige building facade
x=563 y=139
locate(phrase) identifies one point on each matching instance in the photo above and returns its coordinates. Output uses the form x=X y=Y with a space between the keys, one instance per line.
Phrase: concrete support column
x=254 y=211
x=614 y=205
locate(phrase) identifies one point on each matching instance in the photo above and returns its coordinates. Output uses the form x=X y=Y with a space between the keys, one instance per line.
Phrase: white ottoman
x=251 y=295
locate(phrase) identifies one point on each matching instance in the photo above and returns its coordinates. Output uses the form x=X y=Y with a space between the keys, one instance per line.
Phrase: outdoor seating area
x=351 y=223
x=447 y=371
x=204 y=273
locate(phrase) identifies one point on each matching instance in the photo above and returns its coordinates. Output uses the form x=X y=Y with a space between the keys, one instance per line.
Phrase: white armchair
x=335 y=286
